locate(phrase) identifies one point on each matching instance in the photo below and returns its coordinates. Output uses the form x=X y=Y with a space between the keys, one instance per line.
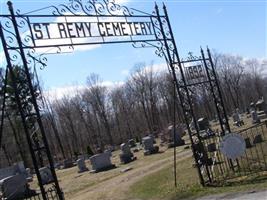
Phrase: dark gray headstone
x=81 y=165
x=46 y=175
x=255 y=118
x=132 y=143
x=126 y=156
x=149 y=148
x=67 y=163
x=203 y=124
x=13 y=187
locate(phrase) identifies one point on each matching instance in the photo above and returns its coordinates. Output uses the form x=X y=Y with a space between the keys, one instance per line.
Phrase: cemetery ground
x=151 y=177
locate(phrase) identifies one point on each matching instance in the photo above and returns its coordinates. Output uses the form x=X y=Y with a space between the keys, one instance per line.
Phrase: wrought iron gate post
x=36 y=108
x=23 y=117
x=212 y=90
x=219 y=90
x=171 y=63
x=3 y=107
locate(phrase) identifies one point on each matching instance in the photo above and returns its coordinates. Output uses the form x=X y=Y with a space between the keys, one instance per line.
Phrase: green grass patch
x=160 y=185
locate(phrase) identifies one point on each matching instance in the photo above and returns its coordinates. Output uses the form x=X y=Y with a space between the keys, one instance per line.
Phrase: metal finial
x=164 y=6
x=9 y=3
x=156 y=6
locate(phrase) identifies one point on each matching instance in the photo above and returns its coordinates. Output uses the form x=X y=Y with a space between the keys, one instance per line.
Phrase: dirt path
x=116 y=188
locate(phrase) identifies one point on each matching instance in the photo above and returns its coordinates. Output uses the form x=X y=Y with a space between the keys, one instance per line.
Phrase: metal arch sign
x=80 y=30
x=93 y=22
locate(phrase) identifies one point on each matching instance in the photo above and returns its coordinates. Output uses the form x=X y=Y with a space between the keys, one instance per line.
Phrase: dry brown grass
x=113 y=184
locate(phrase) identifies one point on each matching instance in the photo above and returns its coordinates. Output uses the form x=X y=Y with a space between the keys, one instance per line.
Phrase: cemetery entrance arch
x=58 y=29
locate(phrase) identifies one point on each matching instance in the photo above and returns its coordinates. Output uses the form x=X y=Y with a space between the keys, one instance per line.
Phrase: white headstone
x=46 y=175
x=81 y=165
x=100 y=161
x=13 y=187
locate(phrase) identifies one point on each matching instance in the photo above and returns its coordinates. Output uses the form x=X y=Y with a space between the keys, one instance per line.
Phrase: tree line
x=98 y=117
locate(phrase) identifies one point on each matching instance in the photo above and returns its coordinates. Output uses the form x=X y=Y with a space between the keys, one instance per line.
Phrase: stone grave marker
x=46 y=175
x=261 y=108
x=176 y=139
x=81 y=165
x=13 y=187
x=203 y=124
x=29 y=175
x=67 y=163
x=126 y=156
x=132 y=143
x=255 y=118
x=8 y=171
x=149 y=148
x=237 y=119
x=101 y=162
x=108 y=151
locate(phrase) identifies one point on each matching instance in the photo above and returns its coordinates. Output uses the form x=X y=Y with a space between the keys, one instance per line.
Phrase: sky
x=235 y=27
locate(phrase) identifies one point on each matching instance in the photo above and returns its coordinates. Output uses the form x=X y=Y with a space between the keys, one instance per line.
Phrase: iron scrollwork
x=91 y=8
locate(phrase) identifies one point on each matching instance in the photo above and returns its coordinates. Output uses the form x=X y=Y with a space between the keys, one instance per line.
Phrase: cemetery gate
x=28 y=38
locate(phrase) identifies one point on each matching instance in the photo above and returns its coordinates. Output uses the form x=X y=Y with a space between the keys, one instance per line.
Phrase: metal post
x=219 y=91
x=176 y=82
x=3 y=108
x=212 y=90
x=34 y=102
x=174 y=133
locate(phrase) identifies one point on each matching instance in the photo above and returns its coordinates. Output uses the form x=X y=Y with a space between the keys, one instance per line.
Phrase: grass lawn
x=160 y=185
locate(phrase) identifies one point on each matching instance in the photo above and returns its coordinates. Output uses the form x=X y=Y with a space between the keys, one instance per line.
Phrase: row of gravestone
x=13 y=180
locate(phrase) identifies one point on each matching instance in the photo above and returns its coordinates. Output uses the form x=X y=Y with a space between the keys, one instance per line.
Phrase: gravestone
x=261 y=108
x=21 y=167
x=126 y=156
x=175 y=139
x=257 y=139
x=132 y=143
x=67 y=163
x=29 y=175
x=237 y=119
x=101 y=162
x=255 y=118
x=108 y=151
x=13 y=187
x=203 y=124
x=260 y=105
x=17 y=168
x=46 y=175
x=81 y=165
x=192 y=126
x=8 y=171
x=149 y=148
